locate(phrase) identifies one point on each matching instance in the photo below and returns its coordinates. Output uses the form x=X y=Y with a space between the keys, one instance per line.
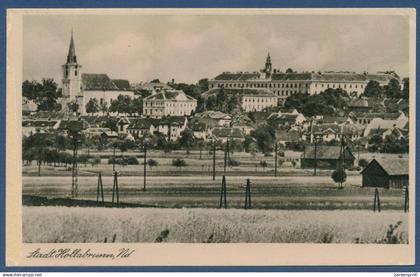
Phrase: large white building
x=169 y=103
x=251 y=100
x=80 y=88
x=286 y=84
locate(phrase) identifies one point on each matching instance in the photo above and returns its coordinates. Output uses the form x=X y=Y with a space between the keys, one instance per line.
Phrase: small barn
x=387 y=173
x=327 y=157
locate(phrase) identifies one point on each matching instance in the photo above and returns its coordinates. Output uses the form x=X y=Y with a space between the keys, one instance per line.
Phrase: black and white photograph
x=216 y=128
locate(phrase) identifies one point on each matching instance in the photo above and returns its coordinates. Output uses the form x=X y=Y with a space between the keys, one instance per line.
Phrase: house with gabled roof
x=122 y=125
x=139 y=127
x=213 y=118
x=386 y=173
x=171 y=126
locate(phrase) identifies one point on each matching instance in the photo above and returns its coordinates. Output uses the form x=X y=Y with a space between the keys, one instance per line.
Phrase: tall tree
x=46 y=95
x=73 y=106
x=393 y=89
x=373 y=89
x=406 y=88
x=187 y=139
x=264 y=136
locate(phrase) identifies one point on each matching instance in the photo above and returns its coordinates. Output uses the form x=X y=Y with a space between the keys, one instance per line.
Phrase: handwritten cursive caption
x=78 y=253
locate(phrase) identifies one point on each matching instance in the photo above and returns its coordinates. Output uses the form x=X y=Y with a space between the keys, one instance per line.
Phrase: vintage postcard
x=221 y=137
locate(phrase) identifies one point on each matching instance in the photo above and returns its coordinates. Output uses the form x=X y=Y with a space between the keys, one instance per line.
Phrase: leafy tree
x=265 y=137
x=373 y=89
x=137 y=105
x=263 y=164
x=123 y=104
x=46 y=95
x=92 y=106
x=111 y=123
x=406 y=88
x=73 y=106
x=155 y=81
x=179 y=163
x=328 y=102
x=339 y=176
x=393 y=89
x=233 y=163
x=187 y=139
x=103 y=107
x=375 y=139
x=151 y=163
x=203 y=85
x=31 y=89
x=289 y=70
x=363 y=163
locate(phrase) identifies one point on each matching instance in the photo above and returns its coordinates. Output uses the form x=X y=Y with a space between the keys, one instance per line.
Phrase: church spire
x=71 y=57
x=268 y=65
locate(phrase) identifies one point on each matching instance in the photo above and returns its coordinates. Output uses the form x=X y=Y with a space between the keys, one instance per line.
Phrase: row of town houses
x=290 y=126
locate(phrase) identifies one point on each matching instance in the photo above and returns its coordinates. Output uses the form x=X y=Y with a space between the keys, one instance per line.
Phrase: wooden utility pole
x=342 y=158
x=225 y=157
x=315 y=158
x=144 y=166
x=113 y=159
x=100 y=189
x=74 y=175
x=376 y=201
x=223 y=201
x=115 y=191
x=406 y=198
x=248 y=194
x=275 y=159
x=214 y=161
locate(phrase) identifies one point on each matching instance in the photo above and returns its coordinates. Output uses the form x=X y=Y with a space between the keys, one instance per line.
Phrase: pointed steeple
x=268 y=66
x=71 y=56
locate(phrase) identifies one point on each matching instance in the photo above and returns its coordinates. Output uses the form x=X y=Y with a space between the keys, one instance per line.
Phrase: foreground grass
x=59 y=224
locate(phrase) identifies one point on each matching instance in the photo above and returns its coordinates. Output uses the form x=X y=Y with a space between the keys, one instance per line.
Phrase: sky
x=188 y=48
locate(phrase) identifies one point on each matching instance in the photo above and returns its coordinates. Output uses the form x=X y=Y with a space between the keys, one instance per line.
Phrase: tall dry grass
x=60 y=224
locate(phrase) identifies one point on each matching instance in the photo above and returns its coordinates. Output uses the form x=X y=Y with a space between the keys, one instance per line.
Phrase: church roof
x=122 y=84
x=98 y=82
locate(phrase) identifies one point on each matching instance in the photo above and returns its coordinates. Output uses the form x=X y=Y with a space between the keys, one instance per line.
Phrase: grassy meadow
x=46 y=225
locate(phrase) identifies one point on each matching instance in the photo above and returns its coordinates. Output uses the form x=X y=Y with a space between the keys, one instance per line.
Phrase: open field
x=305 y=192
x=249 y=165
x=46 y=225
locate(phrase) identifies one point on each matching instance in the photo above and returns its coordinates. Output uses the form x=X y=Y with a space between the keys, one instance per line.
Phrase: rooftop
x=173 y=95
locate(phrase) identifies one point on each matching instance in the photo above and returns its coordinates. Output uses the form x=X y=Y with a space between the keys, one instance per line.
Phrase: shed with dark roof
x=387 y=173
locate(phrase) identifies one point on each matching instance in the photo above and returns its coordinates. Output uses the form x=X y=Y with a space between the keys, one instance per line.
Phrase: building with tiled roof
x=169 y=103
x=213 y=118
x=326 y=157
x=286 y=84
x=224 y=134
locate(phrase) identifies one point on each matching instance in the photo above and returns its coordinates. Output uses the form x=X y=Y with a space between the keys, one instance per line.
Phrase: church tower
x=72 y=80
x=268 y=66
